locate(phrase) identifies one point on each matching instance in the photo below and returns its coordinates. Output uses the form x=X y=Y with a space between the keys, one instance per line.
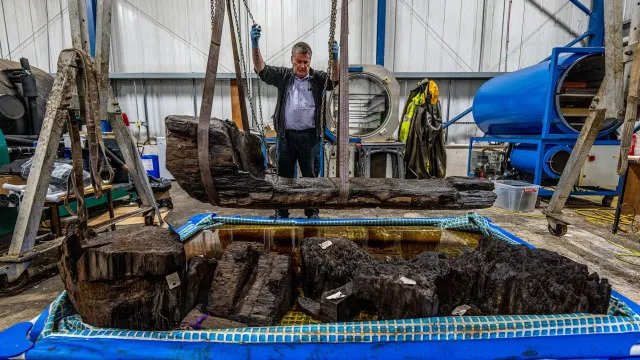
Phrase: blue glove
x=335 y=49
x=255 y=35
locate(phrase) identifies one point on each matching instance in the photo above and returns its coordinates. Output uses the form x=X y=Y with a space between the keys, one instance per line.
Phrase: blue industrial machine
x=540 y=110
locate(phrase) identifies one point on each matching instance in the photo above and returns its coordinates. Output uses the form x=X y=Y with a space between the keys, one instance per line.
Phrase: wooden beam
x=343 y=122
x=239 y=83
x=236 y=107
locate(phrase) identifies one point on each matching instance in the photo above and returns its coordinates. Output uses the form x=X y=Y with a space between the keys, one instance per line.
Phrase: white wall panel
x=34 y=29
x=131 y=99
x=532 y=34
x=149 y=36
x=421 y=36
x=462 y=93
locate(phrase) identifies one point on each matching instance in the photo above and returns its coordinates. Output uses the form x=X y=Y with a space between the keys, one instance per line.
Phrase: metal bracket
x=60 y=101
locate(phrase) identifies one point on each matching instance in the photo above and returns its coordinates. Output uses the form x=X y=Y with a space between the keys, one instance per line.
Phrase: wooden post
x=27 y=224
x=217 y=20
x=237 y=114
x=238 y=98
x=632 y=53
x=557 y=224
x=79 y=25
x=343 y=122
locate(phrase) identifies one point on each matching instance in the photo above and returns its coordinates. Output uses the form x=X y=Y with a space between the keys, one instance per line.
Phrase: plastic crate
x=515 y=195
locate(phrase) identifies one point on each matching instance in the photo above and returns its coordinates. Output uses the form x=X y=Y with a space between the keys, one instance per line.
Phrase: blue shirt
x=299 y=107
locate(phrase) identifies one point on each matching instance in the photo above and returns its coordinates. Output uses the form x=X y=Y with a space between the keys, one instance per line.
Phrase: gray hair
x=301 y=48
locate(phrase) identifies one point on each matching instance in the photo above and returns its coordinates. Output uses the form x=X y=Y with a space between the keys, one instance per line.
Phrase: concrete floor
x=585 y=242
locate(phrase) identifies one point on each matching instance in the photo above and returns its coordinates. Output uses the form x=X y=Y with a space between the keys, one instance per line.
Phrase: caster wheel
x=14 y=287
x=558 y=230
x=607 y=200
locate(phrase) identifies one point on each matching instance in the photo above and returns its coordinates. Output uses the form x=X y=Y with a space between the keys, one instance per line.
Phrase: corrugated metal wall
x=151 y=36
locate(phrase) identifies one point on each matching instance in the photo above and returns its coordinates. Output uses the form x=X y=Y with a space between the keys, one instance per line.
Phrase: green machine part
x=4 y=150
x=8 y=216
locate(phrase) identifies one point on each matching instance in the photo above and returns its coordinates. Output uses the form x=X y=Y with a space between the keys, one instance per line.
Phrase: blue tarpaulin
x=60 y=333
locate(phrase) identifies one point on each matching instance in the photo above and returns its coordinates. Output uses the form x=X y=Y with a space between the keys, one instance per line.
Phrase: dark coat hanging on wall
x=425 y=155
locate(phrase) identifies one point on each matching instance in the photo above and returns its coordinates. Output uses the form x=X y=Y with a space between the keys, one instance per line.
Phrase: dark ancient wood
x=331 y=267
x=309 y=306
x=269 y=295
x=518 y=280
x=145 y=250
x=329 y=309
x=199 y=278
x=398 y=290
x=342 y=308
x=232 y=275
x=125 y=278
x=237 y=166
x=251 y=287
x=496 y=278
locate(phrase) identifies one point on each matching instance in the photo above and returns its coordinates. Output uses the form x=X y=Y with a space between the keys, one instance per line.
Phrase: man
x=297 y=117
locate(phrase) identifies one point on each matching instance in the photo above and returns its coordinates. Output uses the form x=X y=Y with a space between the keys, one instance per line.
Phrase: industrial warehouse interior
x=326 y=179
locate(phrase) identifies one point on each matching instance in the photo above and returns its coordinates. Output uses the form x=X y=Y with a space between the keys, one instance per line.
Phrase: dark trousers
x=301 y=147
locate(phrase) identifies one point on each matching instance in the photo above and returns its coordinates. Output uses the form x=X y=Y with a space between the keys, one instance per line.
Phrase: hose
x=31 y=137
x=598 y=217
x=606 y=217
x=18 y=140
x=116 y=159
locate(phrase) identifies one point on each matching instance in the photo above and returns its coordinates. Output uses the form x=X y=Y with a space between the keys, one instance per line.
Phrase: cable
x=606 y=217
x=535 y=31
x=164 y=27
x=288 y=46
x=500 y=211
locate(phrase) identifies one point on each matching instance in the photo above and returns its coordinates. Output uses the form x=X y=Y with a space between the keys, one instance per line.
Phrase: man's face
x=301 y=64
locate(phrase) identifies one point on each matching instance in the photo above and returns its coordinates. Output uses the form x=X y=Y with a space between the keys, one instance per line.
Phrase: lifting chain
x=323 y=109
x=259 y=122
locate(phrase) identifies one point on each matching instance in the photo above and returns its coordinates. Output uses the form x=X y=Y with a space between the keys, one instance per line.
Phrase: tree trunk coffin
x=237 y=165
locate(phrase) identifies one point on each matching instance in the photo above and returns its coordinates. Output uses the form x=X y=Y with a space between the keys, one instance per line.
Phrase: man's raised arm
x=258 y=61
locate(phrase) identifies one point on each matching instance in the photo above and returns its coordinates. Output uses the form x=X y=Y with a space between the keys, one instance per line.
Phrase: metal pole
x=616 y=217
x=381 y=24
x=482 y=27
x=46 y=10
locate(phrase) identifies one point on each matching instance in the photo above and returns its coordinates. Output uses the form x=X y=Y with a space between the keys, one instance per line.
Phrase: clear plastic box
x=515 y=195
